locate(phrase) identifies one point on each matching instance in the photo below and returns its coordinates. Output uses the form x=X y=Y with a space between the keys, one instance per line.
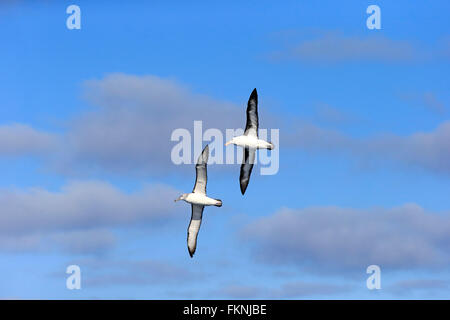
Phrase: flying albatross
x=250 y=141
x=198 y=200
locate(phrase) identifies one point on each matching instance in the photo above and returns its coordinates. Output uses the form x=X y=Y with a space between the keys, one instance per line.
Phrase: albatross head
x=232 y=141
x=182 y=197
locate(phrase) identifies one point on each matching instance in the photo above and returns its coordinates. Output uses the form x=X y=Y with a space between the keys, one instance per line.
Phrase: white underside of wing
x=194 y=227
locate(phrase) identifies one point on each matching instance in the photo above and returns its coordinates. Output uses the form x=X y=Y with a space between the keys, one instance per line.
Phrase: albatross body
x=198 y=200
x=250 y=141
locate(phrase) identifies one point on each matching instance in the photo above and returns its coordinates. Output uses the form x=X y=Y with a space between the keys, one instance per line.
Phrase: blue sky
x=85 y=123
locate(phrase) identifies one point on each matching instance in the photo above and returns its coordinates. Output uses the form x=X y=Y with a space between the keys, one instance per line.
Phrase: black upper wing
x=251 y=127
x=246 y=168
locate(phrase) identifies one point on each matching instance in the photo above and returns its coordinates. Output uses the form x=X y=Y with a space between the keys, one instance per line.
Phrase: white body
x=201 y=199
x=251 y=141
x=198 y=200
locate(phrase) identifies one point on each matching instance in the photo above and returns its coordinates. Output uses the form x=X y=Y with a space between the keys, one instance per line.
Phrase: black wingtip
x=243 y=187
x=205 y=151
x=254 y=93
x=203 y=157
x=191 y=253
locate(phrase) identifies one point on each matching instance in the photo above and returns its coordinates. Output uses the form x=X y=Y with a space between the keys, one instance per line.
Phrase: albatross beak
x=229 y=142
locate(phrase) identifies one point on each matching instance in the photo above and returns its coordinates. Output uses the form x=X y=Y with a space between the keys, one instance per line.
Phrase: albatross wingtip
x=243 y=188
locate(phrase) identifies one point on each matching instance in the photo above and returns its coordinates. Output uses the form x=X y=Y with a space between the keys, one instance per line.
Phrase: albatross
x=250 y=141
x=198 y=200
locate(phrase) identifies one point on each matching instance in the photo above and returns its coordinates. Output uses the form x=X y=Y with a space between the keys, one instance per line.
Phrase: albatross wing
x=251 y=127
x=194 y=227
x=200 y=168
x=246 y=168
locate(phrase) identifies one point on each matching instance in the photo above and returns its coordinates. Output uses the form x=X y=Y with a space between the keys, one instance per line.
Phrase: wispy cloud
x=129 y=128
x=331 y=47
x=74 y=217
x=129 y=272
x=304 y=289
x=22 y=140
x=427 y=100
x=328 y=114
x=426 y=150
x=334 y=47
x=413 y=286
x=128 y=131
x=238 y=291
x=288 y=290
x=337 y=239
x=92 y=241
